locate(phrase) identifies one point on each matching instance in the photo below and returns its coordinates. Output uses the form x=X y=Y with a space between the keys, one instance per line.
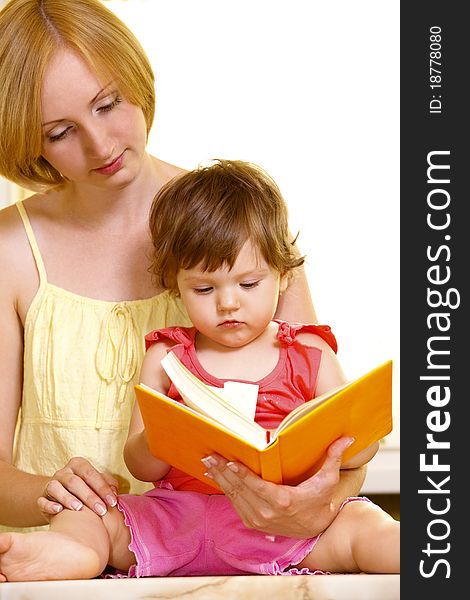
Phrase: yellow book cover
x=181 y=434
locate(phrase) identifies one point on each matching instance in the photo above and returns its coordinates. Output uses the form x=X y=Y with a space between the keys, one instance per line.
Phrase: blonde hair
x=206 y=215
x=31 y=31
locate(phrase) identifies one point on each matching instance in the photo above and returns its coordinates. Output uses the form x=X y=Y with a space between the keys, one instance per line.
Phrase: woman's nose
x=98 y=143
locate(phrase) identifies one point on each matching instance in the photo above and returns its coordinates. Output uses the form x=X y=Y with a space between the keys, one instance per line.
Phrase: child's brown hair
x=206 y=215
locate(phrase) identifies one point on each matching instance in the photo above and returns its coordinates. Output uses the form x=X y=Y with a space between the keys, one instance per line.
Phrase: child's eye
x=248 y=285
x=203 y=290
x=107 y=107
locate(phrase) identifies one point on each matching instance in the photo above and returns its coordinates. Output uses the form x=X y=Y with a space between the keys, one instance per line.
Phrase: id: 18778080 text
x=435 y=66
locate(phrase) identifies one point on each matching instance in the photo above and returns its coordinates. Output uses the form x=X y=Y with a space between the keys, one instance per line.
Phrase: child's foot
x=44 y=555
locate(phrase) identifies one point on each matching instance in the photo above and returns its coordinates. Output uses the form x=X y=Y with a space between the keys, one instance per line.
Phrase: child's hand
x=78 y=484
x=300 y=511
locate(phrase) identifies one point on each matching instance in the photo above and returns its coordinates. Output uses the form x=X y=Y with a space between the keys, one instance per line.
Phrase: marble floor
x=300 y=587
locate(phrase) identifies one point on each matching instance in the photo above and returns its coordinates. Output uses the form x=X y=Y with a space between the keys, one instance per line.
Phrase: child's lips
x=231 y=324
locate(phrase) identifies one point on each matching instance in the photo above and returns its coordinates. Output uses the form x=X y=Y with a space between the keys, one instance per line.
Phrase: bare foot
x=45 y=555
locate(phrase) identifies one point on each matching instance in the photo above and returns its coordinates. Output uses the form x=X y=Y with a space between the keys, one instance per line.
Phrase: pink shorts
x=179 y=533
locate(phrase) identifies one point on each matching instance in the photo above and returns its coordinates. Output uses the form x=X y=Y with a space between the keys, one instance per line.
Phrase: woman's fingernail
x=100 y=509
x=208 y=475
x=57 y=508
x=209 y=461
x=351 y=442
x=111 y=500
x=233 y=467
x=76 y=505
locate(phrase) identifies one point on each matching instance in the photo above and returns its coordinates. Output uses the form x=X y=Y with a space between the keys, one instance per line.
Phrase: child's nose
x=227 y=301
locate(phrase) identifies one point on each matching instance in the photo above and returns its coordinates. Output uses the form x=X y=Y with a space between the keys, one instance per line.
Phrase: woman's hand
x=302 y=511
x=78 y=484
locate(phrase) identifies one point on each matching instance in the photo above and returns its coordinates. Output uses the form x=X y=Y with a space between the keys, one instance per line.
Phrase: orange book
x=181 y=434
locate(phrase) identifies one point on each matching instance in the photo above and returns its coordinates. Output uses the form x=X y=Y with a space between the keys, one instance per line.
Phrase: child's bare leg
x=76 y=546
x=362 y=538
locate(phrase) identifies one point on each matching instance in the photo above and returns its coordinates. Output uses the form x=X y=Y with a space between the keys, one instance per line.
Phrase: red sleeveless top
x=291 y=382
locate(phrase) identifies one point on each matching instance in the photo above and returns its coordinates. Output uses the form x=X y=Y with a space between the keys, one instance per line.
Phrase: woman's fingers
x=251 y=497
x=79 y=484
x=298 y=511
x=332 y=464
x=49 y=507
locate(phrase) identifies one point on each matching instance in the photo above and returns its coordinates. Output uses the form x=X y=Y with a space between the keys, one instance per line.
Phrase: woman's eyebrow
x=101 y=91
x=97 y=95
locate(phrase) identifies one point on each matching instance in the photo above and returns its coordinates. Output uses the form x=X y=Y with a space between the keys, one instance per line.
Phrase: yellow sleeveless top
x=82 y=359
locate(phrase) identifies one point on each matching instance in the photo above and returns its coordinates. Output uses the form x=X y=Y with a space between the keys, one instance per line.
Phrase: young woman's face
x=232 y=307
x=91 y=134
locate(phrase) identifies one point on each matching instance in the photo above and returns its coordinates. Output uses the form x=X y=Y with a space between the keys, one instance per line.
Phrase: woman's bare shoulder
x=10 y=225
x=16 y=261
x=168 y=170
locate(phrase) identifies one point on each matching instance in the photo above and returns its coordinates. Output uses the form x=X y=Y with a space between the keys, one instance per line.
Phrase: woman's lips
x=112 y=167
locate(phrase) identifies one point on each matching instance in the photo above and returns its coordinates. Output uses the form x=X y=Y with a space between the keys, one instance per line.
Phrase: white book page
x=209 y=402
x=243 y=397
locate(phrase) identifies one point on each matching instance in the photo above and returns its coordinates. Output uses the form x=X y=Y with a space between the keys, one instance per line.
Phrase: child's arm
x=137 y=456
x=330 y=375
x=361 y=458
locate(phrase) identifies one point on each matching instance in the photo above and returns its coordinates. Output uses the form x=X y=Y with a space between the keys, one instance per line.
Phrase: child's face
x=232 y=307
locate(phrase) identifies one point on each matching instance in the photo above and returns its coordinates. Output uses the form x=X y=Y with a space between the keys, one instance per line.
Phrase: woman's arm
x=22 y=501
x=295 y=304
x=18 y=490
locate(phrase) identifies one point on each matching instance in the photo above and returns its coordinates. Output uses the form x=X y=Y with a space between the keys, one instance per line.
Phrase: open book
x=181 y=434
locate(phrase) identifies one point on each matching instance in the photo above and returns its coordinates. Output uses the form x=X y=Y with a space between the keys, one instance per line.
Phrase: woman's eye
x=203 y=290
x=248 y=285
x=59 y=136
x=110 y=105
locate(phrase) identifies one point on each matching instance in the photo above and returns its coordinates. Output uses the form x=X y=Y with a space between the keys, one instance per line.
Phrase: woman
x=76 y=105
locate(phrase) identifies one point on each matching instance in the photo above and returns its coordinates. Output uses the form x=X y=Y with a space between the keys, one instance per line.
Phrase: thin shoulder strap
x=32 y=242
